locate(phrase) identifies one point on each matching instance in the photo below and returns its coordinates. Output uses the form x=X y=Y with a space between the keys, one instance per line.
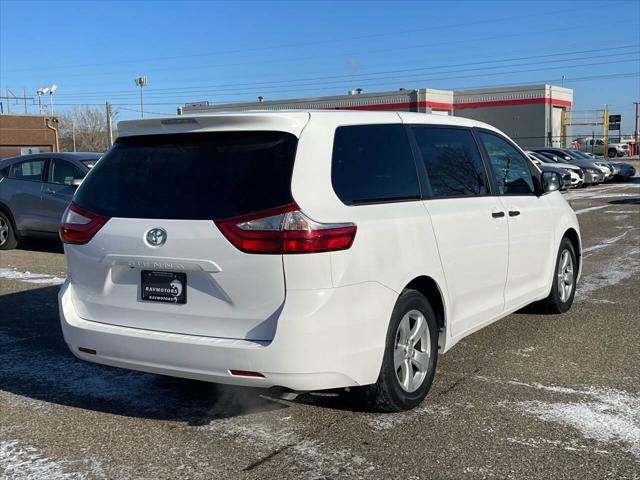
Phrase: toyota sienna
x=309 y=249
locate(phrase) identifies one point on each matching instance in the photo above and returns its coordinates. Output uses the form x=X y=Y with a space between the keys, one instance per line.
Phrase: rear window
x=194 y=176
x=373 y=164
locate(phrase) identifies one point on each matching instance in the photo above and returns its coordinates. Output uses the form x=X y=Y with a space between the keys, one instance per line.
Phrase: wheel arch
x=428 y=287
x=574 y=238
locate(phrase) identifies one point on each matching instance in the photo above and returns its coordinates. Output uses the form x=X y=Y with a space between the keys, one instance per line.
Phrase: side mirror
x=551 y=182
x=76 y=182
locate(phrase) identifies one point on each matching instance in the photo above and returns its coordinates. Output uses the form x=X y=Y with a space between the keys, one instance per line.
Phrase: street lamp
x=43 y=91
x=141 y=82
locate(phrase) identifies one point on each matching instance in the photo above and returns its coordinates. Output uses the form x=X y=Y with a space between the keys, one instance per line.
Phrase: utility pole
x=107 y=106
x=24 y=97
x=635 y=131
x=73 y=134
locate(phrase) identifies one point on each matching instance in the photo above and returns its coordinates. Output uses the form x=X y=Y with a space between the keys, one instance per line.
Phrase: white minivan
x=309 y=249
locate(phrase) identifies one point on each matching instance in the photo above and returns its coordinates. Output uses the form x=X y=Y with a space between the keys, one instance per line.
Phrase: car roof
x=292 y=121
x=63 y=155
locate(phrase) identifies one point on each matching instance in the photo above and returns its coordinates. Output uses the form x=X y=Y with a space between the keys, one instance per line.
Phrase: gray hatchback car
x=35 y=190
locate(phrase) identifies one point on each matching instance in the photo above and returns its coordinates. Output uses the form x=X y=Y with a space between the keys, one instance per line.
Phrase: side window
x=63 y=172
x=373 y=163
x=510 y=168
x=452 y=160
x=28 y=170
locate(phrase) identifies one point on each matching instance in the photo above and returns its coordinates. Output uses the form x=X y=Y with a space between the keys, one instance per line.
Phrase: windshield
x=195 y=176
x=89 y=163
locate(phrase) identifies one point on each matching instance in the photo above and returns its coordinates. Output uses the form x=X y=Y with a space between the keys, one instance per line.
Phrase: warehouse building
x=532 y=115
x=26 y=134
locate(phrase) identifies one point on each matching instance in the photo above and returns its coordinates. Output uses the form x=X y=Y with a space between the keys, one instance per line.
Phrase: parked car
x=35 y=190
x=593 y=173
x=597 y=147
x=572 y=175
x=197 y=249
x=591 y=177
x=625 y=171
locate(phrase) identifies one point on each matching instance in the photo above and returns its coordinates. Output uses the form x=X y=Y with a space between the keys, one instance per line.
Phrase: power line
x=290 y=58
x=403 y=70
x=315 y=42
x=538 y=81
x=372 y=83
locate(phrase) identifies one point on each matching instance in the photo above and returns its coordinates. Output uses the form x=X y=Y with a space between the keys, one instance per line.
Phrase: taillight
x=80 y=225
x=286 y=230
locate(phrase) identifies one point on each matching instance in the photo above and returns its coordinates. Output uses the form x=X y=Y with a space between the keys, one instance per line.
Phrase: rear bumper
x=325 y=339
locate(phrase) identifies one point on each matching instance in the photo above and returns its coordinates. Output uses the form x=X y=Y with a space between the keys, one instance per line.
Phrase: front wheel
x=410 y=356
x=563 y=289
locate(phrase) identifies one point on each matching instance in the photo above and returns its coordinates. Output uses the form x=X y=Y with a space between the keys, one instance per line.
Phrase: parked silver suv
x=35 y=190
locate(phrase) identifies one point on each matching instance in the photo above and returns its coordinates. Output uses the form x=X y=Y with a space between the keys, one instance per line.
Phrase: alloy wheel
x=412 y=351
x=565 y=276
x=4 y=231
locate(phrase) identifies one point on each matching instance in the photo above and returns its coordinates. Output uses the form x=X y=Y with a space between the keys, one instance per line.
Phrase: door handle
x=497 y=214
x=49 y=191
x=514 y=213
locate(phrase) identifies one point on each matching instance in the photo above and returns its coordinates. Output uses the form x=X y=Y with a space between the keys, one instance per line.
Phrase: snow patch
x=607 y=241
x=314 y=457
x=616 y=270
x=28 y=463
x=608 y=416
x=590 y=209
x=29 y=277
x=524 y=352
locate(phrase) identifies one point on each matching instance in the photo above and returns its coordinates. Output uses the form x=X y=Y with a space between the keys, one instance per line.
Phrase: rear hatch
x=160 y=195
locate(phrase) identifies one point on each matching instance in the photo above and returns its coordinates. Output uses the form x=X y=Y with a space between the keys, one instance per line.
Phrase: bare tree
x=90 y=125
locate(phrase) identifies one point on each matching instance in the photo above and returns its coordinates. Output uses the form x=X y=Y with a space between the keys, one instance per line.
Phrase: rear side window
x=373 y=164
x=452 y=160
x=29 y=170
x=510 y=168
x=197 y=176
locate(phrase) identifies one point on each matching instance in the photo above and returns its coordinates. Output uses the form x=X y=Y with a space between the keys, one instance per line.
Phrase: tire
x=8 y=238
x=565 y=271
x=613 y=153
x=412 y=314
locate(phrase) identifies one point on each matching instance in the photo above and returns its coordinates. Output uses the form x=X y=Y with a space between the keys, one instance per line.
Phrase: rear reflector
x=286 y=230
x=80 y=225
x=87 y=350
x=245 y=373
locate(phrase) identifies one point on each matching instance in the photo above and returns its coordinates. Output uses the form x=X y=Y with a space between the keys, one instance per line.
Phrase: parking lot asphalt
x=530 y=397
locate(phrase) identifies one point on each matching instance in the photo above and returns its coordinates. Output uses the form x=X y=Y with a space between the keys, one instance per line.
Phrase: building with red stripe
x=531 y=115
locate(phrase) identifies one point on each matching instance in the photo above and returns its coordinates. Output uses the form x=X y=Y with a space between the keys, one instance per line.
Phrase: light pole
x=43 y=91
x=52 y=90
x=141 y=82
x=635 y=131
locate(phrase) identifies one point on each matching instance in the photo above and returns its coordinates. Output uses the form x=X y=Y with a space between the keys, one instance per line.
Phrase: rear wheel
x=613 y=153
x=410 y=356
x=7 y=235
x=564 y=279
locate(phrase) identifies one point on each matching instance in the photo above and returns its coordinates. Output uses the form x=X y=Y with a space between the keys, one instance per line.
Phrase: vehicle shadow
x=36 y=363
x=626 y=201
x=47 y=245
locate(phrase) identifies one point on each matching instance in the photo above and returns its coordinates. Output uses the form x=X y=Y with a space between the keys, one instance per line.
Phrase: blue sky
x=235 y=51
